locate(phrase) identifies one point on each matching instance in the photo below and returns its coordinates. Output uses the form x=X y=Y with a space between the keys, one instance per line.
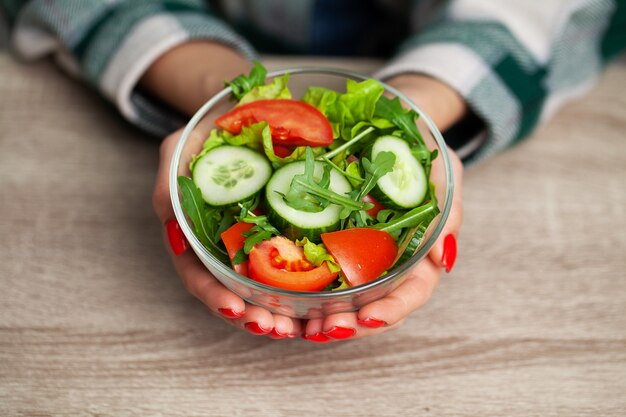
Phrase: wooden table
x=94 y=321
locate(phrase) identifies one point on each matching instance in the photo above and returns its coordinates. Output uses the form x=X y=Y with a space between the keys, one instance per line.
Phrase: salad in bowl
x=310 y=191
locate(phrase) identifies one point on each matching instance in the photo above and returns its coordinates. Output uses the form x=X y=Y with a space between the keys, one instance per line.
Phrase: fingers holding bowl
x=381 y=315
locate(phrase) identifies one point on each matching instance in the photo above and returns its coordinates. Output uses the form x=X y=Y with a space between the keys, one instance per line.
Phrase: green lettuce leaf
x=298 y=153
x=317 y=254
x=404 y=119
x=345 y=110
x=360 y=100
x=250 y=136
x=277 y=89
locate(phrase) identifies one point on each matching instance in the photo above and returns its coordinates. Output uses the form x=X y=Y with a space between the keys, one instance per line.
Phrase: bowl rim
x=248 y=282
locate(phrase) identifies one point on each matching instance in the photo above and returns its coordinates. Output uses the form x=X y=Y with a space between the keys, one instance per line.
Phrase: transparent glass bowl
x=296 y=303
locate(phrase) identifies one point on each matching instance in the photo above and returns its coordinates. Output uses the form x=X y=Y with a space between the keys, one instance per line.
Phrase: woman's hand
x=389 y=312
x=196 y=277
x=185 y=77
x=445 y=107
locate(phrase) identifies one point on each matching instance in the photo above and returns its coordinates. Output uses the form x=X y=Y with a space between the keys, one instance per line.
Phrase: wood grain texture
x=94 y=321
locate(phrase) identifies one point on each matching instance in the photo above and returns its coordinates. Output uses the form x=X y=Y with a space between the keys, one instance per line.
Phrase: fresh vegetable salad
x=318 y=193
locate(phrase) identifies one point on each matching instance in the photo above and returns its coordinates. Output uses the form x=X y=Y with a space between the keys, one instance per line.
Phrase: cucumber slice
x=228 y=174
x=296 y=224
x=413 y=241
x=405 y=187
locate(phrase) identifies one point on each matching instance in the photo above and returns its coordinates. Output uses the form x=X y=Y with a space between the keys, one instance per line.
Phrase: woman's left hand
x=389 y=312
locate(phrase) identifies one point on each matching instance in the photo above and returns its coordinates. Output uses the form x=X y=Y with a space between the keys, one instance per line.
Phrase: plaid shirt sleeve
x=515 y=62
x=110 y=44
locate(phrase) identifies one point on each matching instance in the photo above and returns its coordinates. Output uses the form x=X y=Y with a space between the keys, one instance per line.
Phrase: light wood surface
x=94 y=322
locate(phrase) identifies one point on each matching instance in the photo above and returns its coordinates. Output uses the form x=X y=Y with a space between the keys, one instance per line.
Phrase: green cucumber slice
x=413 y=241
x=406 y=185
x=229 y=174
x=296 y=224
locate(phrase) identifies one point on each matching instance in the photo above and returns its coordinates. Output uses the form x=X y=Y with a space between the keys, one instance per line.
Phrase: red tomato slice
x=292 y=122
x=233 y=239
x=377 y=205
x=362 y=253
x=280 y=263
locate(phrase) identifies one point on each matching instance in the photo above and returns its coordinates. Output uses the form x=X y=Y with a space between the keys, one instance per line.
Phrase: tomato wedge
x=280 y=263
x=362 y=253
x=233 y=239
x=292 y=122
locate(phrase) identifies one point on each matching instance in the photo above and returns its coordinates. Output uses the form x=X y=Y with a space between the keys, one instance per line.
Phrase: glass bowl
x=300 y=304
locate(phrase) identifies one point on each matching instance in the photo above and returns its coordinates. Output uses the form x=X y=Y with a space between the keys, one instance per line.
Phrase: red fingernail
x=275 y=333
x=449 y=252
x=254 y=328
x=230 y=313
x=339 y=332
x=178 y=241
x=318 y=337
x=372 y=322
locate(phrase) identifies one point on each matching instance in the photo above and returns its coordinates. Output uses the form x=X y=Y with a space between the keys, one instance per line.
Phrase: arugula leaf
x=240 y=257
x=262 y=230
x=374 y=171
x=307 y=194
x=249 y=205
x=242 y=84
x=404 y=119
x=208 y=222
x=353 y=174
x=351 y=171
x=411 y=218
x=345 y=146
x=413 y=240
x=317 y=254
x=382 y=165
x=277 y=89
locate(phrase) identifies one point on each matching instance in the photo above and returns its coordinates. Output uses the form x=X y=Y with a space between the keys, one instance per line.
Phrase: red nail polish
x=338 y=332
x=178 y=241
x=449 y=252
x=372 y=323
x=275 y=333
x=318 y=337
x=230 y=313
x=254 y=328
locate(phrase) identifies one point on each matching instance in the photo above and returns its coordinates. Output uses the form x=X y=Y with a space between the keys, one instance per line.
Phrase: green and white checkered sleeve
x=110 y=44
x=515 y=61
